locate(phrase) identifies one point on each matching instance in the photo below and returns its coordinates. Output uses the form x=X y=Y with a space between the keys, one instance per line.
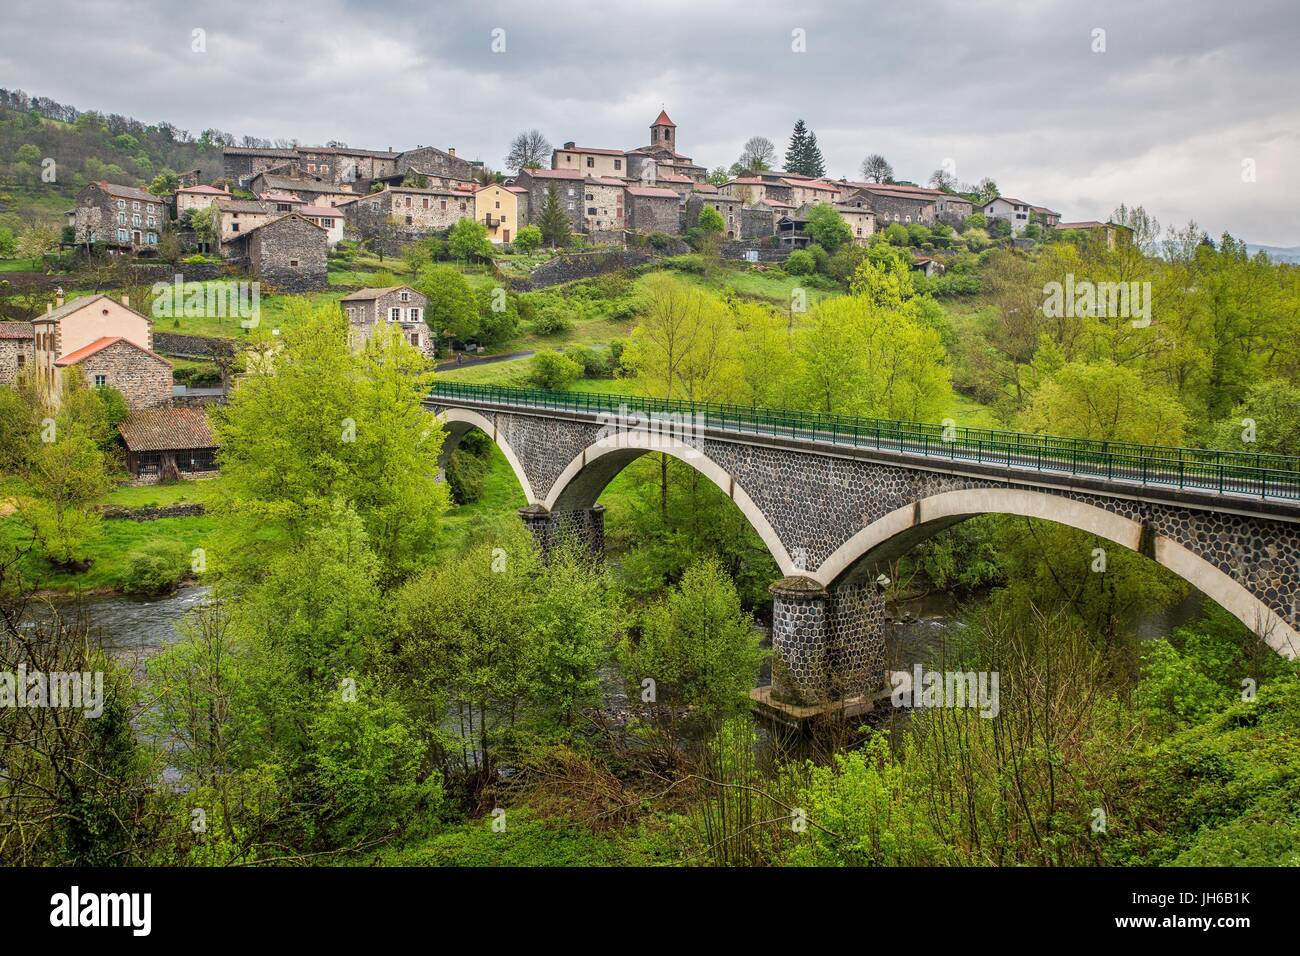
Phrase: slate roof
x=166 y=429
x=368 y=295
x=127 y=192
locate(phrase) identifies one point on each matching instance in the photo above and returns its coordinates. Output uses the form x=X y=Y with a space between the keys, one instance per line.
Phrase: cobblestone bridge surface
x=831 y=514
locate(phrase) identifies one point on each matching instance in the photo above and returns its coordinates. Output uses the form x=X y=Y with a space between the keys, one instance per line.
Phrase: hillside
x=37 y=134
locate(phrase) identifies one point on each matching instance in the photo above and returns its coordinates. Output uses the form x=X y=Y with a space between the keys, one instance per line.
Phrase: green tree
x=453 y=310
x=552 y=220
x=828 y=228
x=528 y=239
x=1267 y=421
x=468 y=241
x=67 y=475
x=552 y=370
x=698 y=646
x=312 y=423
x=1104 y=401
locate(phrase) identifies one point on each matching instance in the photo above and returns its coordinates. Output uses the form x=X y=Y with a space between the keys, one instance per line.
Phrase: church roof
x=663 y=120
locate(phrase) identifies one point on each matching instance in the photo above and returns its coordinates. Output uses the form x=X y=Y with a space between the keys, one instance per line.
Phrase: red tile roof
x=205 y=190
x=553 y=173
x=86 y=351
x=16 y=330
x=651 y=192
x=590 y=149
x=663 y=120
x=810 y=184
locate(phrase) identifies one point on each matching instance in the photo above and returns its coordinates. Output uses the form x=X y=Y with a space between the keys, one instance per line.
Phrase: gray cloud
x=1183 y=94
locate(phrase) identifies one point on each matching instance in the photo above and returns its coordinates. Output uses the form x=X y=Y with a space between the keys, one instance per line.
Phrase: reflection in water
x=134 y=629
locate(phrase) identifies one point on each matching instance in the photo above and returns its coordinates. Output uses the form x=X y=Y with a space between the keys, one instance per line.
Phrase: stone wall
x=192 y=346
x=581 y=265
x=436 y=162
x=650 y=214
x=757 y=222
x=11 y=351
x=143 y=380
x=741 y=249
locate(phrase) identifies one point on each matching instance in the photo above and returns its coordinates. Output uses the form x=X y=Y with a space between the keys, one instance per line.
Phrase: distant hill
x=1276 y=253
x=86 y=146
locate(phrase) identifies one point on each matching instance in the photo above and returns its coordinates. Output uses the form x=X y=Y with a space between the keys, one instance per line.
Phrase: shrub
x=553 y=371
x=528 y=239
x=661 y=241
x=156 y=568
x=800 y=263
x=552 y=318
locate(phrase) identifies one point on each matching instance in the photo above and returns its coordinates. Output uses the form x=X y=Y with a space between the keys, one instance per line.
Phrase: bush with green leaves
x=528 y=239
x=800 y=263
x=552 y=318
x=156 y=567
x=552 y=370
x=828 y=228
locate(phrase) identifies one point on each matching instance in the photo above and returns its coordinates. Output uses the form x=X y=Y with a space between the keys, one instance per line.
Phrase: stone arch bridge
x=832 y=497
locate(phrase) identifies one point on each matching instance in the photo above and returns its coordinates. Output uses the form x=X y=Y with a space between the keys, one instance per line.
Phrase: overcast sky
x=1185 y=92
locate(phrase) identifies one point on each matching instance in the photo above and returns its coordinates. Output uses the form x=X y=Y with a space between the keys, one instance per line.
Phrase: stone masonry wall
x=144 y=381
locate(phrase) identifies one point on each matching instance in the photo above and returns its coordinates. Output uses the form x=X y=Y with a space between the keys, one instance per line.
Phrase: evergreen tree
x=813 y=164
x=552 y=221
x=797 y=154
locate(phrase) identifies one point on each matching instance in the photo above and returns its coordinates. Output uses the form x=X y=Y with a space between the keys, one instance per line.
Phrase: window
x=410 y=220
x=135 y=205
x=444 y=205
x=151 y=238
x=462 y=207
x=294 y=263
x=234 y=227
x=101 y=381
x=497 y=204
x=570 y=206
x=121 y=219
x=426 y=202
x=591 y=210
x=394 y=315
x=135 y=219
x=121 y=204
x=22 y=359
x=590 y=162
x=404 y=297
x=590 y=197
x=572 y=192
x=351 y=312
x=121 y=235
x=415 y=339
x=618 y=164
x=415 y=313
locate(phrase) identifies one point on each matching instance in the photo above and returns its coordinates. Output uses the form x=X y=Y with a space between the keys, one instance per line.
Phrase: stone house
x=121 y=217
x=107 y=342
x=894 y=206
x=951 y=209
x=431 y=161
x=399 y=304
x=569 y=186
x=313 y=192
x=502 y=209
x=590 y=161
x=419 y=211
x=168 y=442
x=651 y=209
x=1047 y=217
x=192 y=198
x=748 y=189
x=342 y=164
x=730 y=208
x=17 y=350
x=811 y=191
x=240 y=215
x=288 y=253
x=1014 y=211
x=861 y=221
x=602 y=205
x=240 y=164
x=282 y=202
x=758 y=221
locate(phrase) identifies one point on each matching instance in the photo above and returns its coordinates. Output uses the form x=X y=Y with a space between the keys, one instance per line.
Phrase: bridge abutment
x=827 y=643
x=583 y=529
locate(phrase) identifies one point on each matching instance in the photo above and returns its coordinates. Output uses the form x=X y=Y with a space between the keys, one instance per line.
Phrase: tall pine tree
x=813 y=164
x=798 y=150
x=552 y=221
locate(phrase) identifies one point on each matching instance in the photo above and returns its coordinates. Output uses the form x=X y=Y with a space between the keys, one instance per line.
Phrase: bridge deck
x=1231 y=477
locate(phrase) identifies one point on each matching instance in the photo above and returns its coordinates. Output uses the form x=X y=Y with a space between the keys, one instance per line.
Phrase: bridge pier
x=583 y=528
x=827 y=643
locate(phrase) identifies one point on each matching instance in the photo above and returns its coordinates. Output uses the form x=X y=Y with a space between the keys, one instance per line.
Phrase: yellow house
x=502 y=209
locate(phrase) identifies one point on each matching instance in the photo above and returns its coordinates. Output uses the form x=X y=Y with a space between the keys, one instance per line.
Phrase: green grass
x=163 y=495
x=109 y=553
x=20 y=265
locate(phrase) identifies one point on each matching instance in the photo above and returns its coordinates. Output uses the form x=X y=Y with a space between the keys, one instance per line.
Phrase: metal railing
x=1223 y=472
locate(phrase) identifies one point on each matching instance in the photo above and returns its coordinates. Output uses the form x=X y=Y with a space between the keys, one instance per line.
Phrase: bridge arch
x=584 y=478
x=459 y=421
x=894 y=533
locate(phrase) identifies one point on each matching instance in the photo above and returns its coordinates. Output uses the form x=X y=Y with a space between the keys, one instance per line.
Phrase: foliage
x=528 y=239
x=828 y=228
x=553 y=370
x=157 y=567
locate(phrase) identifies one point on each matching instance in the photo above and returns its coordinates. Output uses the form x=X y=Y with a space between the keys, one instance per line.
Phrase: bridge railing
x=1268 y=476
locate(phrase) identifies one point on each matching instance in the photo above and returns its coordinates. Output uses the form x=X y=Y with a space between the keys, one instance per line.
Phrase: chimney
x=58 y=298
x=570 y=144
x=126 y=300
x=451 y=151
x=49 y=307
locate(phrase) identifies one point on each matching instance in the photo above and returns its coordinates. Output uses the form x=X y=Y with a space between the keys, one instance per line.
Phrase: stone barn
x=289 y=254
x=168 y=443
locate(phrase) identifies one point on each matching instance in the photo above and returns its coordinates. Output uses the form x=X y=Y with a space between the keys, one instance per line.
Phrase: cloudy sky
x=1186 y=94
